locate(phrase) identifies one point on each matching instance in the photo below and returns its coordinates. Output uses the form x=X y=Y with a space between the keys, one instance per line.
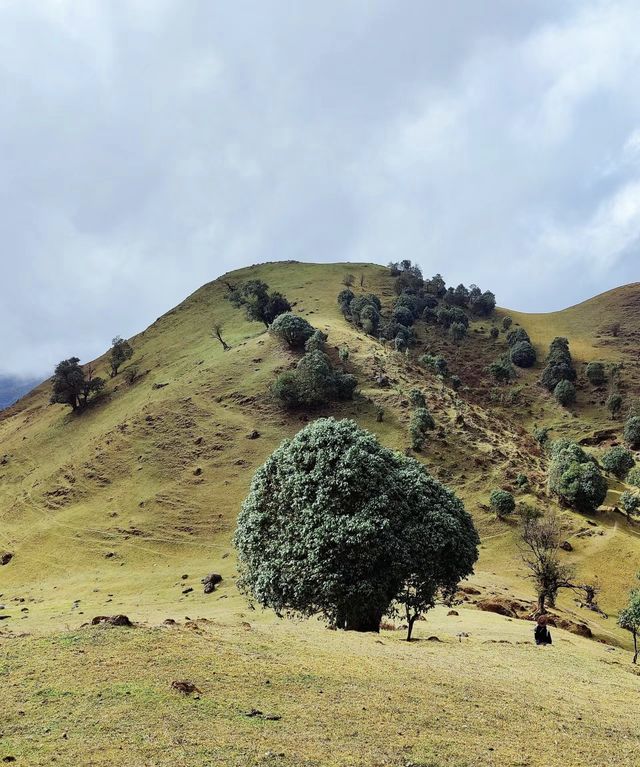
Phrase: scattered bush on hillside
x=343 y=353
x=565 y=393
x=316 y=342
x=456 y=382
x=633 y=477
x=502 y=370
x=632 y=431
x=541 y=537
x=403 y=316
x=313 y=383
x=421 y=424
x=408 y=277
x=436 y=286
x=448 y=315
x=614 y=404
x=294 y=330
x=417 y=398
x=258 y=303
x=596 y=373
x=630 y=503
x=494 y=332
x=618 y=460
x=345 y=297
x=506 y=322
x=541 y=435
x=575 y=478
x=364 y=312
x=413 y=303
x=73 y=385
x=523 y=354
x=121 y=351
x=436 y=363
x=379 y=534
x=522 y=482
x=559 y=365
x=458 y=331
x=502 y=502
x=629 y=619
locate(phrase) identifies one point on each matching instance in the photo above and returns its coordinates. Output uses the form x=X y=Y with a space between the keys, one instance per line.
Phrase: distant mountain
x=11 y=389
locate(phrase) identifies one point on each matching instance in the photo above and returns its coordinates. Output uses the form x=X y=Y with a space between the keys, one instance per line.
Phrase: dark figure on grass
x=542 y=634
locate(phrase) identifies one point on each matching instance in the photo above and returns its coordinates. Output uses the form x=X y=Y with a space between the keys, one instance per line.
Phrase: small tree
x=632 y=431
x=421 y=424
x=559 y=364
x=629 y=619
x=259 y=304
x=523 y=354
x=494 y=332
x=502 y=502
x=633 y=477
x=292 y=329
x=502 y=370
x=507 y=322
x=121 y=351
x=614 y=404
x=540 y=548
x=316 y=342
x=458 y=331
x=575 y=478
x=217 y=333
x=565 y=393
x=343 y=353
x=337 y=525
x=618 y=460
x=72 y=386
x=417 y=398
x=630 y=503
x=596 y=373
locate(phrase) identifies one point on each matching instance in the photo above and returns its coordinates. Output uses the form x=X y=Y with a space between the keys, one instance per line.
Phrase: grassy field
x=125 y=508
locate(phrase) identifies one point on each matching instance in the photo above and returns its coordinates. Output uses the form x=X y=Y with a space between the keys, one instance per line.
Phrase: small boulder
x=566 y=546
x=112 y=620
x=210 y=582
x=253 y=434
x=453 y=612
x=185 y=687
x=5 y=558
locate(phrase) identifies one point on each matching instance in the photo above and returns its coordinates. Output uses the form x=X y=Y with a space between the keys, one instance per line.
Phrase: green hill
x=125 y=507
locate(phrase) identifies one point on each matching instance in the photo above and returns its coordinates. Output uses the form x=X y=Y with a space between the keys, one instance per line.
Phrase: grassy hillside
x=124 y=508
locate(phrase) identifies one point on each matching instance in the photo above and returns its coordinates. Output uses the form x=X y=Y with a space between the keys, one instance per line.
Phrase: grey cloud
x=148 y=146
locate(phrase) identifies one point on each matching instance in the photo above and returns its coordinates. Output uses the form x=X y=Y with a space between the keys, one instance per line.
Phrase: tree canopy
x=259 y=304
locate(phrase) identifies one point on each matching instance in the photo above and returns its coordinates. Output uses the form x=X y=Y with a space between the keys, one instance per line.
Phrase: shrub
x=437 y=364
x=447 y=315
x=344 y=354
x=575 y=477
x=345 y=297
x=559 y=365
x=421 y=423
x=633 y=477
x=258 y=303
x=522 y=481
x=403 y=316
x=494 y=332
x=541 y=435
x=517 y=336
x=313 y=383
x=458 y=331
x=484 y=304
x=316 y=342
x=292 y=329
x=629 y=619
x=409 y=302
x=455 y=382
x=618 y=460
x=565 y=393
x=336 y=524
x=523 y=354
x=121 y=351
x=502 y=370
x=429 y=316
x=73 y=385
x=596 y=373
x=632 y=431
x=417 y=399
x=507 y=322
x=502 y=502
x=614 y=404
x=630 y=503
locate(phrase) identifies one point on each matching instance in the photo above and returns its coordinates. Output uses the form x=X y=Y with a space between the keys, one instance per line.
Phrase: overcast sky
x=148 y=146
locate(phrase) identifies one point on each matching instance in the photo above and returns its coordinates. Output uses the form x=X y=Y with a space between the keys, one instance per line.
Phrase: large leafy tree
x=336 y=524
x=72 y=385
x=574 y=476
x=259 y=304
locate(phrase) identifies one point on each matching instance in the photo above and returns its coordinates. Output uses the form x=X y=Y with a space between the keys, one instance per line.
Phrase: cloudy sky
x=147 y=146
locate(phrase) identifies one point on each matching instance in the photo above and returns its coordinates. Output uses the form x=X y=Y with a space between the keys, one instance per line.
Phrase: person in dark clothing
x=542 y=634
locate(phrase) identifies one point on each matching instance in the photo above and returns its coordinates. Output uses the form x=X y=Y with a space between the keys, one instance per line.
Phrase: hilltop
x=126 y=506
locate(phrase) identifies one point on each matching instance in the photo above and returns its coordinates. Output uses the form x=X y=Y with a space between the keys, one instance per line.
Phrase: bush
x=517 y=336
x=618 y=460
x=458 y=331
x=409 y=302
x=258 y=303
x=507 y=322
x=336 y=524
x=494 y=332
x=403 y=316
x=365 y=312
x=502 y=502
x=417 y=399
x=633 y=477
x=630 y=503
x=313 y=383
x=523 y=354
x=345 y=297
x=316 y=342
x=437 y=364
x=559 y=364
x=455 y=382
x=565 y=393
x=502 y=370
x=596 y=373
x=575 y=477
x=344 y=354
x=614 y=404
x=429 y=316
x=632 y=431
x=541 y=435
x=121 y=351
x=522 y=481
x=73 y=385
x=447 y=315
x=292 y=329
x=484 y=304
x=421 y=423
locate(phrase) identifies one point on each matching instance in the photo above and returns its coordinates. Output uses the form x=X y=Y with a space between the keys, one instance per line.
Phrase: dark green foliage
x=455 y=382
x=421 y=424
x=338 y=525
x=345 y=297
x=410 y=302
x=403 y=316
x=409 y=277
x=596 y=373
x=633 y=477
x=502 y=502
x=428 y=301
x=436 y=286
x=294 y=330
x=541 y=435
x=316 y=342
x=72 y=385
x=559 y=365
x=437 y=364
x=516 y=336
x=523 y=354
x=484 y=305
x=343 y=354
x=259 y=305
x=575 y=478
x=522 y=481
x=417 y=398
x=630 y=503
x=565 y=393
x=365 y=312
x=447 y=315
x=506 y=322
x=632 y=431
x=121 y=351
x=618 y=460
x=401 y=335
x=502 y=370
x=629 y=619
x=313 y=383
x=458 y=331
x=614 y=404
x=494 y=333
x=429 y=316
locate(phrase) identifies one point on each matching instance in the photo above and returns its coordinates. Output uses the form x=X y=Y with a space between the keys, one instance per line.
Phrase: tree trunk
x=363 y=619
x=410 y=623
